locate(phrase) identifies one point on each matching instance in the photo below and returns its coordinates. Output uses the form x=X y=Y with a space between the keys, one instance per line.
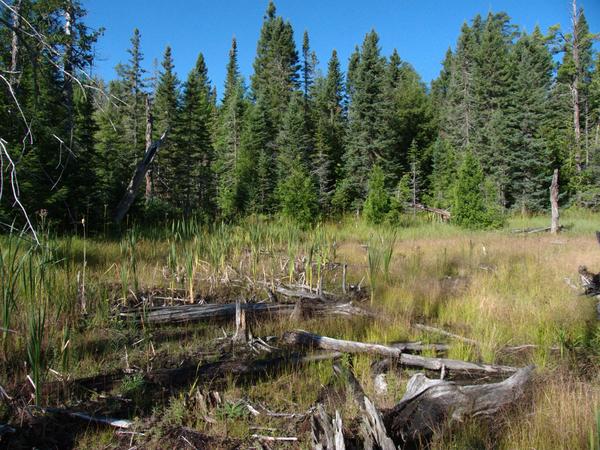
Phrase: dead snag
x=590 y=281
x=373 y=431
x=326 y=433
x=304 y=338
x=554 y=227
x=428 y=404
x=138 y=176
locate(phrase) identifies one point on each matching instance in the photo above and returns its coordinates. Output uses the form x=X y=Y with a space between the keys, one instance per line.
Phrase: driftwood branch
x=138 y=176
x=428 y=404
x=304 y=338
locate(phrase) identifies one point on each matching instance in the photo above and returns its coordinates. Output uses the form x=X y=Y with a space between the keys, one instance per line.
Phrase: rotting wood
x=326 y=433
x=304 y=338
x=429 y=404
x=197 y=312
x=373 y=431
x=138 y=176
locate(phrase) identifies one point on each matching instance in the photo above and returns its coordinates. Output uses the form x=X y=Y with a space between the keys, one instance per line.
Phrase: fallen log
x=443 y=213
x=196 y=312
x=536 y=230
x=304 y=338
x=429 y=404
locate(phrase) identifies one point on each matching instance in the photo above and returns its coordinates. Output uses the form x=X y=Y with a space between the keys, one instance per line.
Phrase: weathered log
x=535 y=230
x=304 y=338
x=138 y=176
x=196 y=312
x=429 y=404
x=444 y=214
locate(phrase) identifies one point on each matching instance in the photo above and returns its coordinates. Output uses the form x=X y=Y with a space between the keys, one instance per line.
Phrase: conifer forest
x=325 y=253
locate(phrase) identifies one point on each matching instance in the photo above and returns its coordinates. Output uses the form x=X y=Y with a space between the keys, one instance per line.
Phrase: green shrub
x=474 y=207
x=377 y=204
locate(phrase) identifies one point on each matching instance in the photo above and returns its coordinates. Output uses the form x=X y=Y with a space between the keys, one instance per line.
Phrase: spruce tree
x=367 y=141
x=296 y=192
x=228 y=140
x=166 y=109
x=330 y=122
x=377 y=204
x=531 y=162
x=193 y=184
x=472 y=206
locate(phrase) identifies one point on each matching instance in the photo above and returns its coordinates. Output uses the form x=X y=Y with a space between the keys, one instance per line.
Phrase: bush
x=298 y=197
x=377 y=204
x=474 y=207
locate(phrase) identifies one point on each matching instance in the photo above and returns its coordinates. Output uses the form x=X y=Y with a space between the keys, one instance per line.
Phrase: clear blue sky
x=421 y=30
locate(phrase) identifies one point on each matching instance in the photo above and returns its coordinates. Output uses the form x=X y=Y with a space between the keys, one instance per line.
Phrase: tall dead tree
x=68 y=69
x=554 y=226
x=149 y=126
x=14 y=53
x=575 y=84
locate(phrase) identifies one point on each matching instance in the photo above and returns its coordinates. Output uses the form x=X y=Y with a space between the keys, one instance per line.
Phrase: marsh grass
x=497 y=288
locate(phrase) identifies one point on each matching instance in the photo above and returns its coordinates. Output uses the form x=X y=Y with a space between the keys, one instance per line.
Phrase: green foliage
x=297 y=197
x=377 y=204
x=472 y=206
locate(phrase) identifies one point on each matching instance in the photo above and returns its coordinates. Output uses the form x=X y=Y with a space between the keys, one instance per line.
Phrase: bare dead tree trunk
x=14 y=54
x=68 y=69
x=136 y=180
x=554 y=226
x=149 y=129
x=575 y=86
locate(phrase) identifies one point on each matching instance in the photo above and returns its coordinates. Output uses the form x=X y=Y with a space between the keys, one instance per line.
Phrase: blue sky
x=421 y=30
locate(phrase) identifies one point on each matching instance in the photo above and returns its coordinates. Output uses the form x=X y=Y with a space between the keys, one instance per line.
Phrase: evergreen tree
x=166 y=108
x=472 y=206
x=531 y=163
x=367 y=141
x=228 y=140
x=295 y=189
x=194 y=182
x=330 y=122
x=377 y=204
x=276 y=66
